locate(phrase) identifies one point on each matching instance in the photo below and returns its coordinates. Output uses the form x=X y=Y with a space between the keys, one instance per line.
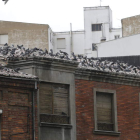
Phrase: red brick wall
x=127 y=110
x=16 y=103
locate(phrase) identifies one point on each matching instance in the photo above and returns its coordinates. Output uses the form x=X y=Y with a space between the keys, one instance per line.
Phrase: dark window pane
x=93 y=27
x=96 y=27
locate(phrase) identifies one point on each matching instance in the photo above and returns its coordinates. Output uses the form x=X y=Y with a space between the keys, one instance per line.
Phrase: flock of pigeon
x=13 y=53
x=4 y=71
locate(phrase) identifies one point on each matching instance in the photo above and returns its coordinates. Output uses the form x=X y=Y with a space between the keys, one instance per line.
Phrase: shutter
x=60 y=99
x=61 y=43
x=45 y=92
x=104 y=107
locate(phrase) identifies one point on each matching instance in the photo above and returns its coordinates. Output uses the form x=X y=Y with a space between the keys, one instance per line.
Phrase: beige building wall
x=131 y=26
x=27 y=34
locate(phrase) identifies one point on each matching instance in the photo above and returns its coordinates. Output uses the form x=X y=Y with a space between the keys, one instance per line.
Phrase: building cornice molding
x=100 y=76
x=45 y=63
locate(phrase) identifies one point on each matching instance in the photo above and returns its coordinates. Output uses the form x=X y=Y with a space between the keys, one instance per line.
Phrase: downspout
x=102 y=30
x=71 y=38
x=33 y=112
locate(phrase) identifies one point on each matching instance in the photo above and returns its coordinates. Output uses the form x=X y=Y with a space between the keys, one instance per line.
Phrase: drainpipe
x=103 y=38
x=71 y=38
x=102 y=30
x=33 y=112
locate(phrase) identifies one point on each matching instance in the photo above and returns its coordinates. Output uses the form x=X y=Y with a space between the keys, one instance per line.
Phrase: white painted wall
x=77 y=42
x=114 y=32
x=97 y=15
x=82 y=40
x=125 y=46
x=65 y=35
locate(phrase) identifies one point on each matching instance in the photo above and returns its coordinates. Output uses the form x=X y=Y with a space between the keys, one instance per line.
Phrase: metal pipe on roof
x=71 y=46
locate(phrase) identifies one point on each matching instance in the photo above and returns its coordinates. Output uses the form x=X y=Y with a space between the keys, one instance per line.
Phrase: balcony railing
x=105 y=126
x=51 y=118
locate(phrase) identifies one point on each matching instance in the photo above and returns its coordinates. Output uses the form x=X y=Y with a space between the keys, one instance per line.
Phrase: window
x=54 y=103
x=3 y=39
x=105 y=111
x=96 y=27
x=61 y=43
x=117 y=36
x=94 y=47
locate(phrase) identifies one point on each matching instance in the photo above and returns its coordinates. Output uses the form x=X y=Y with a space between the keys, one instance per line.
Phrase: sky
x=60 y=13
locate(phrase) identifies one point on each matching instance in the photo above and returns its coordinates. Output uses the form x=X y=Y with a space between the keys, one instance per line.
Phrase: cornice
x=45 y=63
x=101 y=76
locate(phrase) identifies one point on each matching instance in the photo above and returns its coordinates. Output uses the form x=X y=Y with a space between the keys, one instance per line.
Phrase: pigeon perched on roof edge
x=14 y=53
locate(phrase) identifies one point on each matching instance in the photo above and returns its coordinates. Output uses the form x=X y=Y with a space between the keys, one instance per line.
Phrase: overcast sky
x=60 y=13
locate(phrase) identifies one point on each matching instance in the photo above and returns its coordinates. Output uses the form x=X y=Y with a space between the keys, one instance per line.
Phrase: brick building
x=56 y=109
x=90 y=100
x=18 y=105
x=107 y=106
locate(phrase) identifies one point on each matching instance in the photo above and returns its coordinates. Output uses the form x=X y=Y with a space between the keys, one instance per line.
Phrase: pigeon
x=5 y=44
x=17 y=69
x=20 y=52
x=63 y=52
x=63 y=113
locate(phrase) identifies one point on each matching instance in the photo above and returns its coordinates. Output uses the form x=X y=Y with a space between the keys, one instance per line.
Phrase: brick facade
x=127 y=110
x=16 y=104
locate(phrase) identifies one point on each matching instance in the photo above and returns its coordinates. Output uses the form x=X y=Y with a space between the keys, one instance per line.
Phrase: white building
x=128 y=45
x=97 y=28
x=125 y=46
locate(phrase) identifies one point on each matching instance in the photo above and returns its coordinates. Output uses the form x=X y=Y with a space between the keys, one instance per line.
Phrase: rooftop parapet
x=19 y=53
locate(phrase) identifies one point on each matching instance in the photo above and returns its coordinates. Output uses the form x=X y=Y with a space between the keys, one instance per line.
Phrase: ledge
x=111 y=133
x=102 y=76
x=43 y=124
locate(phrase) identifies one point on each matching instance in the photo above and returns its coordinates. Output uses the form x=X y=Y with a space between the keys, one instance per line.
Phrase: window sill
x=97 y=31
x=112 y=133
x=68 y=126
